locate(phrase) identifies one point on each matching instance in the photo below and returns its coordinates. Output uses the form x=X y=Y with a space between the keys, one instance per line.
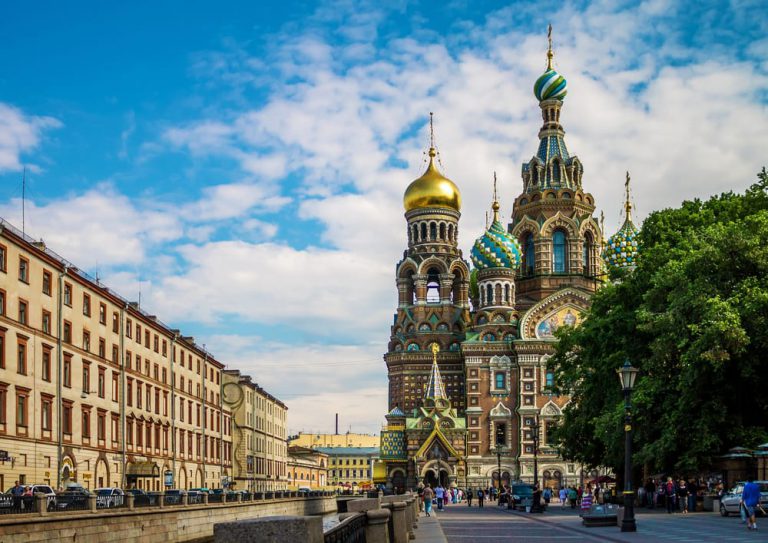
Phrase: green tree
x=693 y=317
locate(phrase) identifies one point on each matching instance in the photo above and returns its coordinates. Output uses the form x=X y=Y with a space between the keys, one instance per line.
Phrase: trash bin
x=707 y=502
x=716 y=505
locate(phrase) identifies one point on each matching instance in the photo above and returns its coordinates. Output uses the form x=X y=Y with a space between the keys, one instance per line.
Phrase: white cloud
x=20 y=133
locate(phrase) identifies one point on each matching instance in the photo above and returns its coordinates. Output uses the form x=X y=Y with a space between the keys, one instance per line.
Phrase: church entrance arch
x=436 y=471
x=553 y=478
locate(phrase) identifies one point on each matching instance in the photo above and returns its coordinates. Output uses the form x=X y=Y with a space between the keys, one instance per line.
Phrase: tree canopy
x=693 y=317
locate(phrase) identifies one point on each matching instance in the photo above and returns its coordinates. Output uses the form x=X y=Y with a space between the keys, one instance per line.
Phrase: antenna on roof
x=23 y=200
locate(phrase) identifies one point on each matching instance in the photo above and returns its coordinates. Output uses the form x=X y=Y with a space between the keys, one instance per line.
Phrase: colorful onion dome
x=496 y=248
x=550 y=86
x=432 y=189
x=622 y=249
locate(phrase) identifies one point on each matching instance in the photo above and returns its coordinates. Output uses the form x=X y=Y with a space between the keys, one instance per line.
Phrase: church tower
x=433 y=293
x=552 y=217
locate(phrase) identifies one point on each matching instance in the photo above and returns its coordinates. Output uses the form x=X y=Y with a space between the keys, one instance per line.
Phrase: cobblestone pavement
x=461 y=524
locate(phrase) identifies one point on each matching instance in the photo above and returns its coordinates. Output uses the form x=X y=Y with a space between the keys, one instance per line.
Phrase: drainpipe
x=60 y=369
x=123 y=399
x=221 y=423
x=173 y=407
x=204 y=412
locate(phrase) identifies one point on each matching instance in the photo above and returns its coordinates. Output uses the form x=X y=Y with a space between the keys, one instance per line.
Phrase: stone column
x=205 y=498
x=130 y=501
x=376 y=530
x=41 y=504
x=410 y=520
x=92 y=503
x=420 y=285
x=446 y=285
x=398 y=521
x=185 y=499
x=161 y=500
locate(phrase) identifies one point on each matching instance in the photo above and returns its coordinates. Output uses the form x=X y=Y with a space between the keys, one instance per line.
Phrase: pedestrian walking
x=480 y=497
x=547 y=496
x=572 y=496
x=650 y=493
x=586 y=501
x=693 y=492
x=440 y=495
x=563 y=495
x=470 y=495
x=682 y=495
x=670 y=493
x=751 y=497
x=427 y=495
x=420 y=492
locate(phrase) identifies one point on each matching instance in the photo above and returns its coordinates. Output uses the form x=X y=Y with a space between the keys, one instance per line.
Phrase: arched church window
x=489 y=294
x=529 y=257
x=558 y=252
x=412 y=347
x=501 y=381
x=501 y=433
x=423 y=231
x=432 y=231
x=442 y=231
x=507 y=295
x=433 y=285
x=587 y=257
x=415 y=233
x=450 y=232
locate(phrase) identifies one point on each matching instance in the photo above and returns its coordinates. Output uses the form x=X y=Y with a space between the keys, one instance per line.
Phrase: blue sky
x=242 y=163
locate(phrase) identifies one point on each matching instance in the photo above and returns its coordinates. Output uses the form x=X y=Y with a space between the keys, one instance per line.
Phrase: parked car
x=141 y=497
x=109 y=497
x=522 y=496
x=195 y=496
x=75 y=497
x=729 y=504
x=7 y=500
x=173 y=496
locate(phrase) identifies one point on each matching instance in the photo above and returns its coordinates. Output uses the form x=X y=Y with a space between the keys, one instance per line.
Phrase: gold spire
x=495 y=205
x=627 y=203
x=432 y=189
x=435 y=387
x=550 y=53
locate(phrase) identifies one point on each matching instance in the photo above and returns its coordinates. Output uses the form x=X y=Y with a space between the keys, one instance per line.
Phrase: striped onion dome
x=496 y=248
x=621 y=250
x=550 y=86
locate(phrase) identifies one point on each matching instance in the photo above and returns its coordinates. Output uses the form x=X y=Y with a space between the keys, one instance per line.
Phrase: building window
x=3 y=258
x=86 y=424
x=21 y=408
x=23 y=270
x=129 y=393
x=68 y=294
x=501 y=381
x=21 y=361
x=3 y=400
x=86 y=378
x=67 y=371
x=23 y=307
x=587 y=256
x=529 y=252
x=46 y=322
x=46 y=413
x=101 y=426
x=102 y=313
x=128 y=326
x=102 y=348
x=46 y=364
x=66 y=423
x=115 y=353
x=47 y=280
x=67 y=332
x=86 y=340
x=549 y=380
x=102 y=385
x=115 y=322
x=86 y=305
x=2 y=302
x=558 y=252
x=115 y=387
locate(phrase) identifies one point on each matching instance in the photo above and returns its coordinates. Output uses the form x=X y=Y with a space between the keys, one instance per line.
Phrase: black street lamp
x=499 y=450
x=627 y=375
x=536 y=506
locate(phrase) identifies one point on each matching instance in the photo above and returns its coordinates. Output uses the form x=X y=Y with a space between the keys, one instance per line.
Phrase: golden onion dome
x=432 y=190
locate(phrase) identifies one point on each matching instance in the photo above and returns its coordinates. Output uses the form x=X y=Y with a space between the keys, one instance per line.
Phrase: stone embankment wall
x=166 y=525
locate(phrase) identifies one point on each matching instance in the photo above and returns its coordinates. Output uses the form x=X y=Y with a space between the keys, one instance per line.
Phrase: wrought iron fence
x=349 y=530
x=16 y=505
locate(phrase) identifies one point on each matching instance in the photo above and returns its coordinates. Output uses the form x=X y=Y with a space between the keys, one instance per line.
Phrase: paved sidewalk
x=461 y=524
x=429 y=530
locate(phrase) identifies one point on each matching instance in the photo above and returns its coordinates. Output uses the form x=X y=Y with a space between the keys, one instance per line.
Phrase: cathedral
x=470 y=391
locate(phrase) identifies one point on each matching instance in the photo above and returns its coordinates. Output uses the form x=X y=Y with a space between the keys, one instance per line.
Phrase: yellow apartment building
x=96 y=391
x=307 y=468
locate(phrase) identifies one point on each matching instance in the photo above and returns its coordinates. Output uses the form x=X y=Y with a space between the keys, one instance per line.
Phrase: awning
x=142 y=469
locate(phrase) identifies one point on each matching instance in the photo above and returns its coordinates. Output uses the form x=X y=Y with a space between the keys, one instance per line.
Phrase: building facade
x=489 y=328
x=307 y=468
x=348 y=439
x=260 y=452
x=350 y=466
x=96 y=391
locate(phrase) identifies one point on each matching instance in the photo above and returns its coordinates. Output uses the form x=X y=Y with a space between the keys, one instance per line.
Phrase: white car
x=729 y=504
x=109 y=497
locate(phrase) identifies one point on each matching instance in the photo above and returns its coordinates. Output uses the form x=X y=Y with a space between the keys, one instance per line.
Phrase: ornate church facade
x=469 y=386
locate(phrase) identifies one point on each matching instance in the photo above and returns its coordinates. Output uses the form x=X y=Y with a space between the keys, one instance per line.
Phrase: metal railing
x=349 y=530
x=17 y=505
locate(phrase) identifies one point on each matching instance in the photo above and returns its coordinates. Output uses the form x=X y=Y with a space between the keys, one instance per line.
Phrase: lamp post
x=498 y=473
x=627 y=375
x=536 y=505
